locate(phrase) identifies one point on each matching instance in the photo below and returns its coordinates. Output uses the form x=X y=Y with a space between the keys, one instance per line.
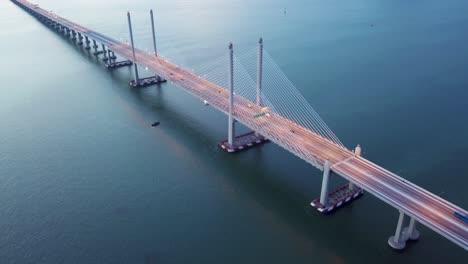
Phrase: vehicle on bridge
x=461 y=216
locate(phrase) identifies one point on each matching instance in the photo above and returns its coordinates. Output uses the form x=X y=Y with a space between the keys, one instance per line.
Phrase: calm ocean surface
x=84 y=178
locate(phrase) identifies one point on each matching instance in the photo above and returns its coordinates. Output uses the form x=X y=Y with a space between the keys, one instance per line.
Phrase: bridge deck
x=429 y=209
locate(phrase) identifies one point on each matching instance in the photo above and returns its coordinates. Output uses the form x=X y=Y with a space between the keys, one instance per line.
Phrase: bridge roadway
x=426 y=207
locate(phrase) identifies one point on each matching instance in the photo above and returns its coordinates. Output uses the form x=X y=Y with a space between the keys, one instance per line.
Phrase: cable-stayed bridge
x=252 y=90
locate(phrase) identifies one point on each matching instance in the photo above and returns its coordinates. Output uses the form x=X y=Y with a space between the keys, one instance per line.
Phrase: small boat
x=155 y=124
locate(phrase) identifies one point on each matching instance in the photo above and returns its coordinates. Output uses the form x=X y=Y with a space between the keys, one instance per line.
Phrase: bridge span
x=323 y=153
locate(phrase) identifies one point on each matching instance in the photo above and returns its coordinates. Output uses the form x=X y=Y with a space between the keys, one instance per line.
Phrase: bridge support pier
x=118 y=64
x=109 y=55
x=104 y=52
x=73 y=35
x=398 y=241
x=95 y=46
x=87 y=43
x=330 y=201
x=80 y=39
x=410 y=232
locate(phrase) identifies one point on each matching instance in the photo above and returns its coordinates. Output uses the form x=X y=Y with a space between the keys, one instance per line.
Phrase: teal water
x=85 y=179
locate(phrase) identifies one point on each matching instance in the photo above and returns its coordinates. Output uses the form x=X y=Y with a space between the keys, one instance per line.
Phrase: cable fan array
x=277 y=93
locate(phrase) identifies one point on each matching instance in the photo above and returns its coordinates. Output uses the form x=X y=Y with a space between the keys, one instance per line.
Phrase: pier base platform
x=146 y=81
x=398 y=245
x=242 y=142
x=98 y=52
x=338 y=198
x=118 y=64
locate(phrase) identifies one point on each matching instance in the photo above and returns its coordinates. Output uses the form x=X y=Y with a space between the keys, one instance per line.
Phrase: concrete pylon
x=259 y=72
x=154 y=39
x=133 y=48
x=154 y=33
x=326 y=176
x=231 y=95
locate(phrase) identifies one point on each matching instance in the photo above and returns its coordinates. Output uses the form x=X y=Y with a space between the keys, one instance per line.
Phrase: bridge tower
x=140 y=82
x=231 y=125
x=158 y=78
x=324 y=191
x=135 y=66
x=154 y=33
x=250 y=139
x=259 y=72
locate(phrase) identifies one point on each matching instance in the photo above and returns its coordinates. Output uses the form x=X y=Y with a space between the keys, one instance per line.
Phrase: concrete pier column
x=410 y=232
x=104 y=52
x=398 y=241
x=133 y=48
x=95 y=46
x=87 y=42
x=326 y=176
x=357 y=152
x=231 y=95
x=109 y=54
x=80 y=38
x=259 y=72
